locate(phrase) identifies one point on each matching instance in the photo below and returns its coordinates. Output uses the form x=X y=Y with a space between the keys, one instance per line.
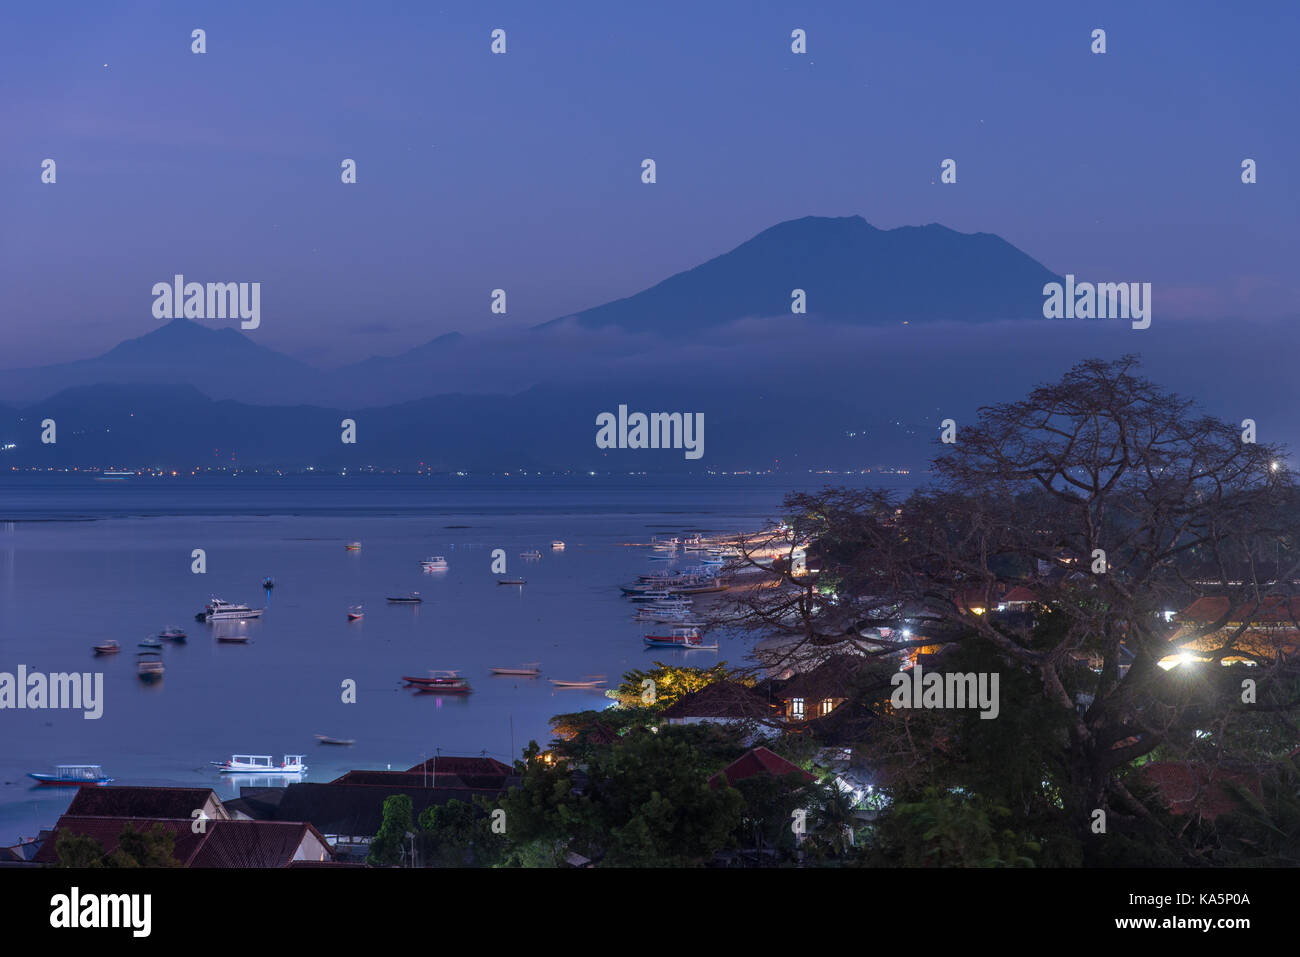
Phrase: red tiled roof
x=461 y=765
x=721 y=699
x=1193 y=789
x=223 y=844
x=758 y=761
x=119 y=801
x=107 y=829
x=1276 y=609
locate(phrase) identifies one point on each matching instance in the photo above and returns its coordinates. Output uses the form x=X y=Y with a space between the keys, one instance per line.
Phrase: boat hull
x=50 y=780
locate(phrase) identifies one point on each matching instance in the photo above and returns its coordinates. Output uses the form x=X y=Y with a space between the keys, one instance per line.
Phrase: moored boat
x=261 y=764
x=356 y=612
x=149 y=665
x=219 y=610
x=557 y=545
x=353 y=546
x=512 y=581
x=108 y=648
x=72 y=775
x=435 y=564
x=150 y=643
x=530 y=669
x=443 y=682
x=412 y=599
x=326 y=739
x=591 y=681
x=688 y=638
x=172 y=634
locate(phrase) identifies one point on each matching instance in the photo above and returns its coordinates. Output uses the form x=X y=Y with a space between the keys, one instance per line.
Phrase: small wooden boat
x=149 y=666
x=108 y=648
x=442 y=682
x=355 y=613
x=530 y=669
x=591 y=681
x=72 y=775
x=680 y=638
x=326 y=739
x=150 y=643
x=172 y=634
x=512 y=581
x=412 y=599
x=353 y=546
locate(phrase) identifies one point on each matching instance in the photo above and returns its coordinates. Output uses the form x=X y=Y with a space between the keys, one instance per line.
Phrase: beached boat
x=435 y=564
x=72 y=775
x=442 y=682
x=512 y=581
x=412 y=599
x=591 y=681
x=530 y=669
x=355 y=612
x=108 y=648
x=172 y=634
x=261 y=764
x=149 y=665
x=326 y=739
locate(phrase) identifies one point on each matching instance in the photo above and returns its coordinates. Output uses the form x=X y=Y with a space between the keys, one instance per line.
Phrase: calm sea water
x=83 y=561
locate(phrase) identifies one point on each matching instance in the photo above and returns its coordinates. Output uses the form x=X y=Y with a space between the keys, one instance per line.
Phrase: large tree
x=1112 y=502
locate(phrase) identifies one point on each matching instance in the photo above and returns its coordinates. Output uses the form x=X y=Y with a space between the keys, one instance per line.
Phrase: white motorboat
x=218 y=610
x=435 y=564
x=557 y=545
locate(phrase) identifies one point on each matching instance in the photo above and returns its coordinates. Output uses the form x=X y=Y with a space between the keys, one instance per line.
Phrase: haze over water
x=82 y=562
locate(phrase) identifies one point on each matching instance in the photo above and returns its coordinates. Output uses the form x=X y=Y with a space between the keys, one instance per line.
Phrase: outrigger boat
x=442 y=682
x=412 y=599
x=72 y=775
x=591 y=681
x=261 y=764
x=108 y=648
x=688 y=638
x=530 y=669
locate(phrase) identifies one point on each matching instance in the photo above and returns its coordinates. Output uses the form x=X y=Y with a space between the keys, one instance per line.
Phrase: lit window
x=827 y=705
x=796 y=708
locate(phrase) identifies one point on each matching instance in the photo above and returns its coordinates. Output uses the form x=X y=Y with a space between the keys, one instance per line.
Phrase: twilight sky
x=522 y=171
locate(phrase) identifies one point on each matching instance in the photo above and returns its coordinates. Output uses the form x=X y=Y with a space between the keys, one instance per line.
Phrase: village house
x=219 y=841
x=1253 y=632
